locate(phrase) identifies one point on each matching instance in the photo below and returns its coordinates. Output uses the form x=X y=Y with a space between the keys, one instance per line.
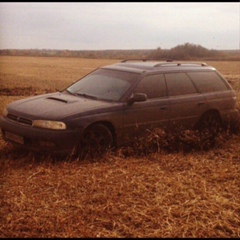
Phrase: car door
x=141 y=117
x=186 y=104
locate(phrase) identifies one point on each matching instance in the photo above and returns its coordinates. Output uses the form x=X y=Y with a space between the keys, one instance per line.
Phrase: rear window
x=208 y=81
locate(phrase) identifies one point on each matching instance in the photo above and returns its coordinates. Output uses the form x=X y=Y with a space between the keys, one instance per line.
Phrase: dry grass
x=156 y=195
x=143 y=191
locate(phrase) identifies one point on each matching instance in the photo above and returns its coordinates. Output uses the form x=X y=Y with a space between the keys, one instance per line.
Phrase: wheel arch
x=107 y=124
x=211 y=111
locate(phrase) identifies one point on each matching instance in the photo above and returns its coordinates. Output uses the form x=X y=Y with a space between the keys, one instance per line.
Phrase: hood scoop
x=58 y=99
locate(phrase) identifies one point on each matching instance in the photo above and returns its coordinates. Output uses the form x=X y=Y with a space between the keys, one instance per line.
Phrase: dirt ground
x=132 y=192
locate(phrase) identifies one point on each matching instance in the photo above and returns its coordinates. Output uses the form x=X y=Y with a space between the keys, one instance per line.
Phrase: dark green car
x=116 y=104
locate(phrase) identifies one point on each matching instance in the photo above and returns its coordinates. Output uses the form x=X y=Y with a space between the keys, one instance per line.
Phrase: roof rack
x=168 y=62
x=145 y=59
x=137 y=59
x=179 y=64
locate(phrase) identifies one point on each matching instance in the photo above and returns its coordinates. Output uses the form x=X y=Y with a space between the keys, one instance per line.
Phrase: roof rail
x=145 y=59
x=137 y=59
x=179 y=64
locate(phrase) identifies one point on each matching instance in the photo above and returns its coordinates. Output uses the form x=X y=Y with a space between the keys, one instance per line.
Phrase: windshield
x=104 y=84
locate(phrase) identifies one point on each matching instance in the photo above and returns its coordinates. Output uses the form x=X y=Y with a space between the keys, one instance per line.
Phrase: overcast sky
x=116 y=25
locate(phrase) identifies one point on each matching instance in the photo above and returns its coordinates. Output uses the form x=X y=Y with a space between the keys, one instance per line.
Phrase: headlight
x=49 y=124
x=5 y=112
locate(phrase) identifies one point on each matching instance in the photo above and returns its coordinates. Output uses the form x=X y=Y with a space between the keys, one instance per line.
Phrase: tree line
x=187 y=51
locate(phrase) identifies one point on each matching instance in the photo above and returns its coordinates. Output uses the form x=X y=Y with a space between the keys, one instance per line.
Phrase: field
x=128 y=193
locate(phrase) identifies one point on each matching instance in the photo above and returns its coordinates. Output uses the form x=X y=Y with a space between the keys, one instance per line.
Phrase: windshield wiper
x=86 y=96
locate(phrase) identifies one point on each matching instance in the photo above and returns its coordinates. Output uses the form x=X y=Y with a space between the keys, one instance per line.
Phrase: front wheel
x=97 y=137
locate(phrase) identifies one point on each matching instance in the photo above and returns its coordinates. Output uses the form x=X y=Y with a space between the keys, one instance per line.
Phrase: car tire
x=97 y=138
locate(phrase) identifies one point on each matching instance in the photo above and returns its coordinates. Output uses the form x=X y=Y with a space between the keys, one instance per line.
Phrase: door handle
x=163 y=108
x=201 y=103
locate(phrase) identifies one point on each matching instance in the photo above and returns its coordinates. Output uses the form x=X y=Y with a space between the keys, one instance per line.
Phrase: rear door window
x=207 y=81
x=179 y=84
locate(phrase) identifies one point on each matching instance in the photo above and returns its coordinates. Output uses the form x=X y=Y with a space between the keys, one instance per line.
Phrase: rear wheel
x=97 y=138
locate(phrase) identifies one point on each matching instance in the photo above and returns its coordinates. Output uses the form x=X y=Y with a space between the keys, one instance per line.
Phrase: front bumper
x=39 y=139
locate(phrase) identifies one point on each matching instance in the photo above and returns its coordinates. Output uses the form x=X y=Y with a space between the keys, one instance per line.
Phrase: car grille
x=20 y=119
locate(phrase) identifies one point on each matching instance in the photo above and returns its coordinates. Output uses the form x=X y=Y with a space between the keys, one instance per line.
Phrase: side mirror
x=137 y=97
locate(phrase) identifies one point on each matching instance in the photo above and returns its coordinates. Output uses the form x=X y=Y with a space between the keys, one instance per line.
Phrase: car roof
x=140 y=66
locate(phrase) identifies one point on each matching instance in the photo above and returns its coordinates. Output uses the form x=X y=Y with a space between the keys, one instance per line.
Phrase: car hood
x=56 y=106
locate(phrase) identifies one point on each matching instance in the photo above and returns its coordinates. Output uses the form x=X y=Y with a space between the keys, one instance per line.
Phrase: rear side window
x=179 y=84
x=154 y=86
x=208 y=81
